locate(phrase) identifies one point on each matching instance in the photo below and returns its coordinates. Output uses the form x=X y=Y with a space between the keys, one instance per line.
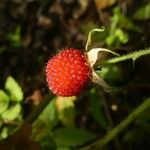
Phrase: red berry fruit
x=68 y=72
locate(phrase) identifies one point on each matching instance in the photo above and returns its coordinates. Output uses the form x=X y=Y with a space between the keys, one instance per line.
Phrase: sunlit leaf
x=44 y=123
x=4 y=133
x=66 y=110
x=12 y=113
x=4 y=101
x=14 y=89
x=48 y=117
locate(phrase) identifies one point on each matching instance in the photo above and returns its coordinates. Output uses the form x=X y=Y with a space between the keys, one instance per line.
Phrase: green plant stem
x=98 y=145
x=37 y=111
x=135 y=55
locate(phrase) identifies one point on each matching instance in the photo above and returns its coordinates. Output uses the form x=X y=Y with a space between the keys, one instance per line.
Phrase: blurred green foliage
x=96 y=109
x=15 y=37
x=143 y=13
x=10 y=107
x=60 y=110
x=116 y=33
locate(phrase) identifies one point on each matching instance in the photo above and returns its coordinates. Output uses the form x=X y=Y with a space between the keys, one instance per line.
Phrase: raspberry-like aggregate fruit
x=68 y=72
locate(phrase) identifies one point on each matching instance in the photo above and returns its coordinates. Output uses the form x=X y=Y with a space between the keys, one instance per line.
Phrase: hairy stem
x=135 y=55
x=98 y=145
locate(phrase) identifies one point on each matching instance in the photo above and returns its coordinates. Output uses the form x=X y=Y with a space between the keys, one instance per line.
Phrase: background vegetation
x=31 y=31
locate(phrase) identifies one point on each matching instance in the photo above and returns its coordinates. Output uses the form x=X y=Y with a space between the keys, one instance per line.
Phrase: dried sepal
x=95 y=54
x=98 y=80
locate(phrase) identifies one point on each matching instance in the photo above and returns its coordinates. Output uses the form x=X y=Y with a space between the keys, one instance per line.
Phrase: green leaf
x=143 y=13
x=4 y=133
x=46 y=143
x=14 y=89
x=96 y=109
x=48 y=118
x=63 y=148
x=119 y=36
x=46 y=121
x=72 y=137
x=66 y=110
x=12 y=113
x=4 y=101
x=118 y=20
x=110 y=73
